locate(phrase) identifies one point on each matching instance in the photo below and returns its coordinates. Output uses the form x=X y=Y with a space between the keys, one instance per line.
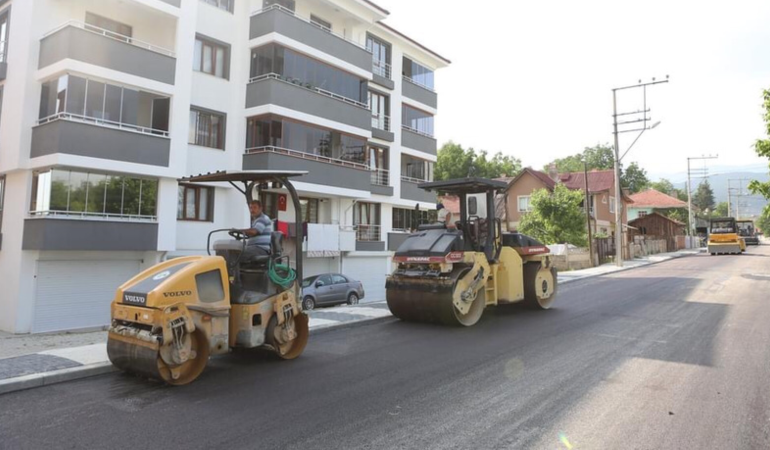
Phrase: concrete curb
x=56 y=376
x=623 y=269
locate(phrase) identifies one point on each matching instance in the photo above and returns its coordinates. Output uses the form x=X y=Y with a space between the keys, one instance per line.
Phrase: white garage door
x=371 y=271
x=77 y=294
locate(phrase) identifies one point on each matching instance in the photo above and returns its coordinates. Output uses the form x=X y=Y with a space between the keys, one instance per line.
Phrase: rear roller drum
x=288 y=340
x=540 y=286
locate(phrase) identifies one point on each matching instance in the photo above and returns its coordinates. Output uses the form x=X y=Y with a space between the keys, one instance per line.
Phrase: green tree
x=662 y=185
x=721 y=210
x=762 y=147
x=456 y=162
x=556 y=217
x=763 y=222
x=600 y=157
x=634 y=178
x=703 y=198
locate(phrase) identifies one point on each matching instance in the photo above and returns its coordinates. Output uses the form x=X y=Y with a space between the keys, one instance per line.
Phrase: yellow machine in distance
x=724 y=238
x=169 y=319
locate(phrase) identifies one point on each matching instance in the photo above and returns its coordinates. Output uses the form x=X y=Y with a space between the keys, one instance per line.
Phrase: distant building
x=650 y=201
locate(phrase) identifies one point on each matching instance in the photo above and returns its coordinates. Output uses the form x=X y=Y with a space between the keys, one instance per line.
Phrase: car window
x=339 y=279
x=308 y=281
x=325 y=279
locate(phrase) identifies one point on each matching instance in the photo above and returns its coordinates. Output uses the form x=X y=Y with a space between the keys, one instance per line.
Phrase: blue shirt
x=264 y=227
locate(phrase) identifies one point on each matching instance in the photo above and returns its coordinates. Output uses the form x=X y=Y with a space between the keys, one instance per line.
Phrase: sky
x=534 y=79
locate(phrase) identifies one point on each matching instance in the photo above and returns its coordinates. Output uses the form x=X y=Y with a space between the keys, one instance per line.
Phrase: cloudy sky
x=533 y=79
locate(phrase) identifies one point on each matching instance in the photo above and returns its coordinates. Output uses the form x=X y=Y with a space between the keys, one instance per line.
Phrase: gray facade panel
x=87 y=235
x=3 y=70
x=176 y=3
x=384 y=82
x=382 y=134
x=395 y=240
x=275 y=21
x=83 y=139
x=419 y=93
x=381 y=190
x=370 y=246
x=319 y=172
x=415 y=141
x=280 y=93
x=410 y=191
x=85 y=46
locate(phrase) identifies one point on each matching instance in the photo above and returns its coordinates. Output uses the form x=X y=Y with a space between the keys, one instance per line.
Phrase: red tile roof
x=598 y=180
x=656 y=199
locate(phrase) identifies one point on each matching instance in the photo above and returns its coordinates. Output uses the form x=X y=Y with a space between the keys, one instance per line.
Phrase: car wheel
x=352 y=299
x=308 y=304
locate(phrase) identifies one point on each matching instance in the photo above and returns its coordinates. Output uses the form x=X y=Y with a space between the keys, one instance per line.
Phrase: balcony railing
x=284 y=10
x=410 y=80
x=381 y=68
x=102 y=123
x=415 y=130
x=381 y=177
x=381 y=122
x=413 y=179
x=304 y=155
x=309 y=87
x=369 y=233
x=112 y=35
x=93 y=216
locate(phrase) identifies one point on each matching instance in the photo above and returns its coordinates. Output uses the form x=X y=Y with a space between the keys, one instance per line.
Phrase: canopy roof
x=465 y=185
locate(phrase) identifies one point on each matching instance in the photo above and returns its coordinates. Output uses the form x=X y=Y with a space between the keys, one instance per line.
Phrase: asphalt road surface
x=670 y=356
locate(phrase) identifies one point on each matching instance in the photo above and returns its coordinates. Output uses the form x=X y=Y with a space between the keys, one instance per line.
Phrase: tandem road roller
x=724 y=238
x=449 y=276
x=169 y=319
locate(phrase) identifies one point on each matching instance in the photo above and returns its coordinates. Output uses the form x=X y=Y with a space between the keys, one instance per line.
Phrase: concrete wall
x=419 y=142
x=85 y=235
x=419 y=93
x=382 y=134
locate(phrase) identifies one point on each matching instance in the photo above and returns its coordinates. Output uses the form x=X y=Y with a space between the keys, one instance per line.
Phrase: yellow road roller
x=450 y=275
x=169 y=319
x=724 y=238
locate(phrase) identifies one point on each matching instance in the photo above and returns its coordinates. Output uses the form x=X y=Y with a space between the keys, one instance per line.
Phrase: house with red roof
x=651 y=201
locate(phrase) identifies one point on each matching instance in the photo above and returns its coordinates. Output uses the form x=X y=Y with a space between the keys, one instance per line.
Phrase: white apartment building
x=107 y=103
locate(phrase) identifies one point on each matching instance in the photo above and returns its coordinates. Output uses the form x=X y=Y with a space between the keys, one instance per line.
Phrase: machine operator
x=259 y=233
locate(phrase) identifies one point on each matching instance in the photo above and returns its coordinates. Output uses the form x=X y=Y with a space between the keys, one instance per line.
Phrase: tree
x=763 y=222
x=556 y=217
x=762 y=147
x=634 y=178
x=703 y=199
x=721 y=210
x=456 y=162
x=600 y=157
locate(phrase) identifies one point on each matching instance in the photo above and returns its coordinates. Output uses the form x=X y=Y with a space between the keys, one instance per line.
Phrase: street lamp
x=633 y=118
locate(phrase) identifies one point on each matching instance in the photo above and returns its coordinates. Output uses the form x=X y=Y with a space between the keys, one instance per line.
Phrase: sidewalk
x=28 y=361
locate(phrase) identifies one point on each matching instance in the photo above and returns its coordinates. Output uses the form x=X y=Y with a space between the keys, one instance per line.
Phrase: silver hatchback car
x=330 y=289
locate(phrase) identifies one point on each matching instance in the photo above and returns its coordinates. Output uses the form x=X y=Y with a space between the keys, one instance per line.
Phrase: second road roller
x=449 y=273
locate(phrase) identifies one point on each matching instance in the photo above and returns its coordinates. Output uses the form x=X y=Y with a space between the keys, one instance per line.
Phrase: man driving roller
x=259 y=233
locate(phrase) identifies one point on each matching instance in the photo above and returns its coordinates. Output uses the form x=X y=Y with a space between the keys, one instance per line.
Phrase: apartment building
x=107 y=103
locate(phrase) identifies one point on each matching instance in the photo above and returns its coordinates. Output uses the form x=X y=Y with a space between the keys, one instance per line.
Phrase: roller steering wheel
x=238 y=235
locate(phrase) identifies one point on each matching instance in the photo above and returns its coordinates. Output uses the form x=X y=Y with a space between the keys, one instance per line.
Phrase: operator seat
x=276 y=251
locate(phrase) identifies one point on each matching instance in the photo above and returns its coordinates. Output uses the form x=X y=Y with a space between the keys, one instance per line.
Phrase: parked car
x=330 y=289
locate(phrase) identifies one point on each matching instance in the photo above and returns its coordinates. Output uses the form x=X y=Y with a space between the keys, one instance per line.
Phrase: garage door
x=77 y=294
x=371 y=271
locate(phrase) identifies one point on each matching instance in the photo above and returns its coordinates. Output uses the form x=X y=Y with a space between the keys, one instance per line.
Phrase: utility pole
x=587 y=203
x=739 y=195
x=702 y=172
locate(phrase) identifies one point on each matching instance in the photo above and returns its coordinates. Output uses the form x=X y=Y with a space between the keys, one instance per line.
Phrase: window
x=105 y=104
x=225 y=5
x=207 y=129
x=524 y=205
x=339 y=279
x=309 y=210
x=307 y=72
x=210 y=287
x=65 y=192
x=612 y=205
x=325 y=280
x=195 y=203
x=642 y=213
x=418 y=74
x=417 y=120
x=211 y=57
x=109 y=27
x=378 y=158
x=324 y=25
x=408 y=219
x=288 y=4
x=380 y=55
x=416 y=169
x=269 y=204
x=366 y=218
x=2 y=200
x=4 y=36
x=380 y=106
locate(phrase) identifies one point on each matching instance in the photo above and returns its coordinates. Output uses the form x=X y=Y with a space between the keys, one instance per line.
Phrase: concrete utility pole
x=588 y=215
x=633 y=119
x=704 y=173
x=740 y=194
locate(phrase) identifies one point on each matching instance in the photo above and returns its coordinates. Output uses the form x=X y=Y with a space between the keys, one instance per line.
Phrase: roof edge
x=402 y=35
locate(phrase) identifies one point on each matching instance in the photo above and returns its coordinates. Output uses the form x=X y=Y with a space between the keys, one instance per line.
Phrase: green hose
x=275 y=273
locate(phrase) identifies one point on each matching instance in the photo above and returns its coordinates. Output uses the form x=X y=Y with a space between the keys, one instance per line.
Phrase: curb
x=56 y=376
x=623 y=269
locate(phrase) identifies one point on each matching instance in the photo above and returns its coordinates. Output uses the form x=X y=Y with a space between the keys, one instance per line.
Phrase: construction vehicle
x=169 y=319
x=723 y=237
x=748 y=232
x=450 y=276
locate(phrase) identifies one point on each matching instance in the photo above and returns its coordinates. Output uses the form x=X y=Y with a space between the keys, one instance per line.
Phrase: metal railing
x=366 y=232
x=415 y=130
x=413 y=179
x=114 y=36
x=380 y=177
x=102 y=123
x=417 y=83
x=304 y=155
x=284 y=10
x=381 y=68
x=381 y=122
x=309 y=87
x=90 y=215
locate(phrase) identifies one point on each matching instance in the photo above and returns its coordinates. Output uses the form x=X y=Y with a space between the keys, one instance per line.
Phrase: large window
x=309 y=209
x=65 y=192
x=211 y=57
x=225 y=5
x=366 y=218
x=417 y=120
x=104 y=103
x=408 y=219
x=418 y=73
x=307 y=72
x=111 y=28
x=380 y=55
x=288 y=4
x=380 y=106
x=524 y=204
x=415 y=169
x=273 y=131
x=4 y=23
x=195 y=203
x=207 y=129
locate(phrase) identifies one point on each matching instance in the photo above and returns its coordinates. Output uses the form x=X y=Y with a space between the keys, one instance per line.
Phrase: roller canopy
x=242 y=175
x=465 y=185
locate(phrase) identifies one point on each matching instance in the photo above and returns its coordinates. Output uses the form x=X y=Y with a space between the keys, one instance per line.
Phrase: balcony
x=411 y=138
x=381 y=128
x=369 y=238
x=322 y=170
x=416 y=91
x=381 y=182
x=277 y=19
x=381 y=72
x=327 y=240
x=92 y=45
x=273 y=89
x=89 y=233
x=410 y=191
x=77 y=135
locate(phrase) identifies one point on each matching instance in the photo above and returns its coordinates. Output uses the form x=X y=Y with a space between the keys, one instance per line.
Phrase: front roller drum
x=540 y=285
x=289 y=339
